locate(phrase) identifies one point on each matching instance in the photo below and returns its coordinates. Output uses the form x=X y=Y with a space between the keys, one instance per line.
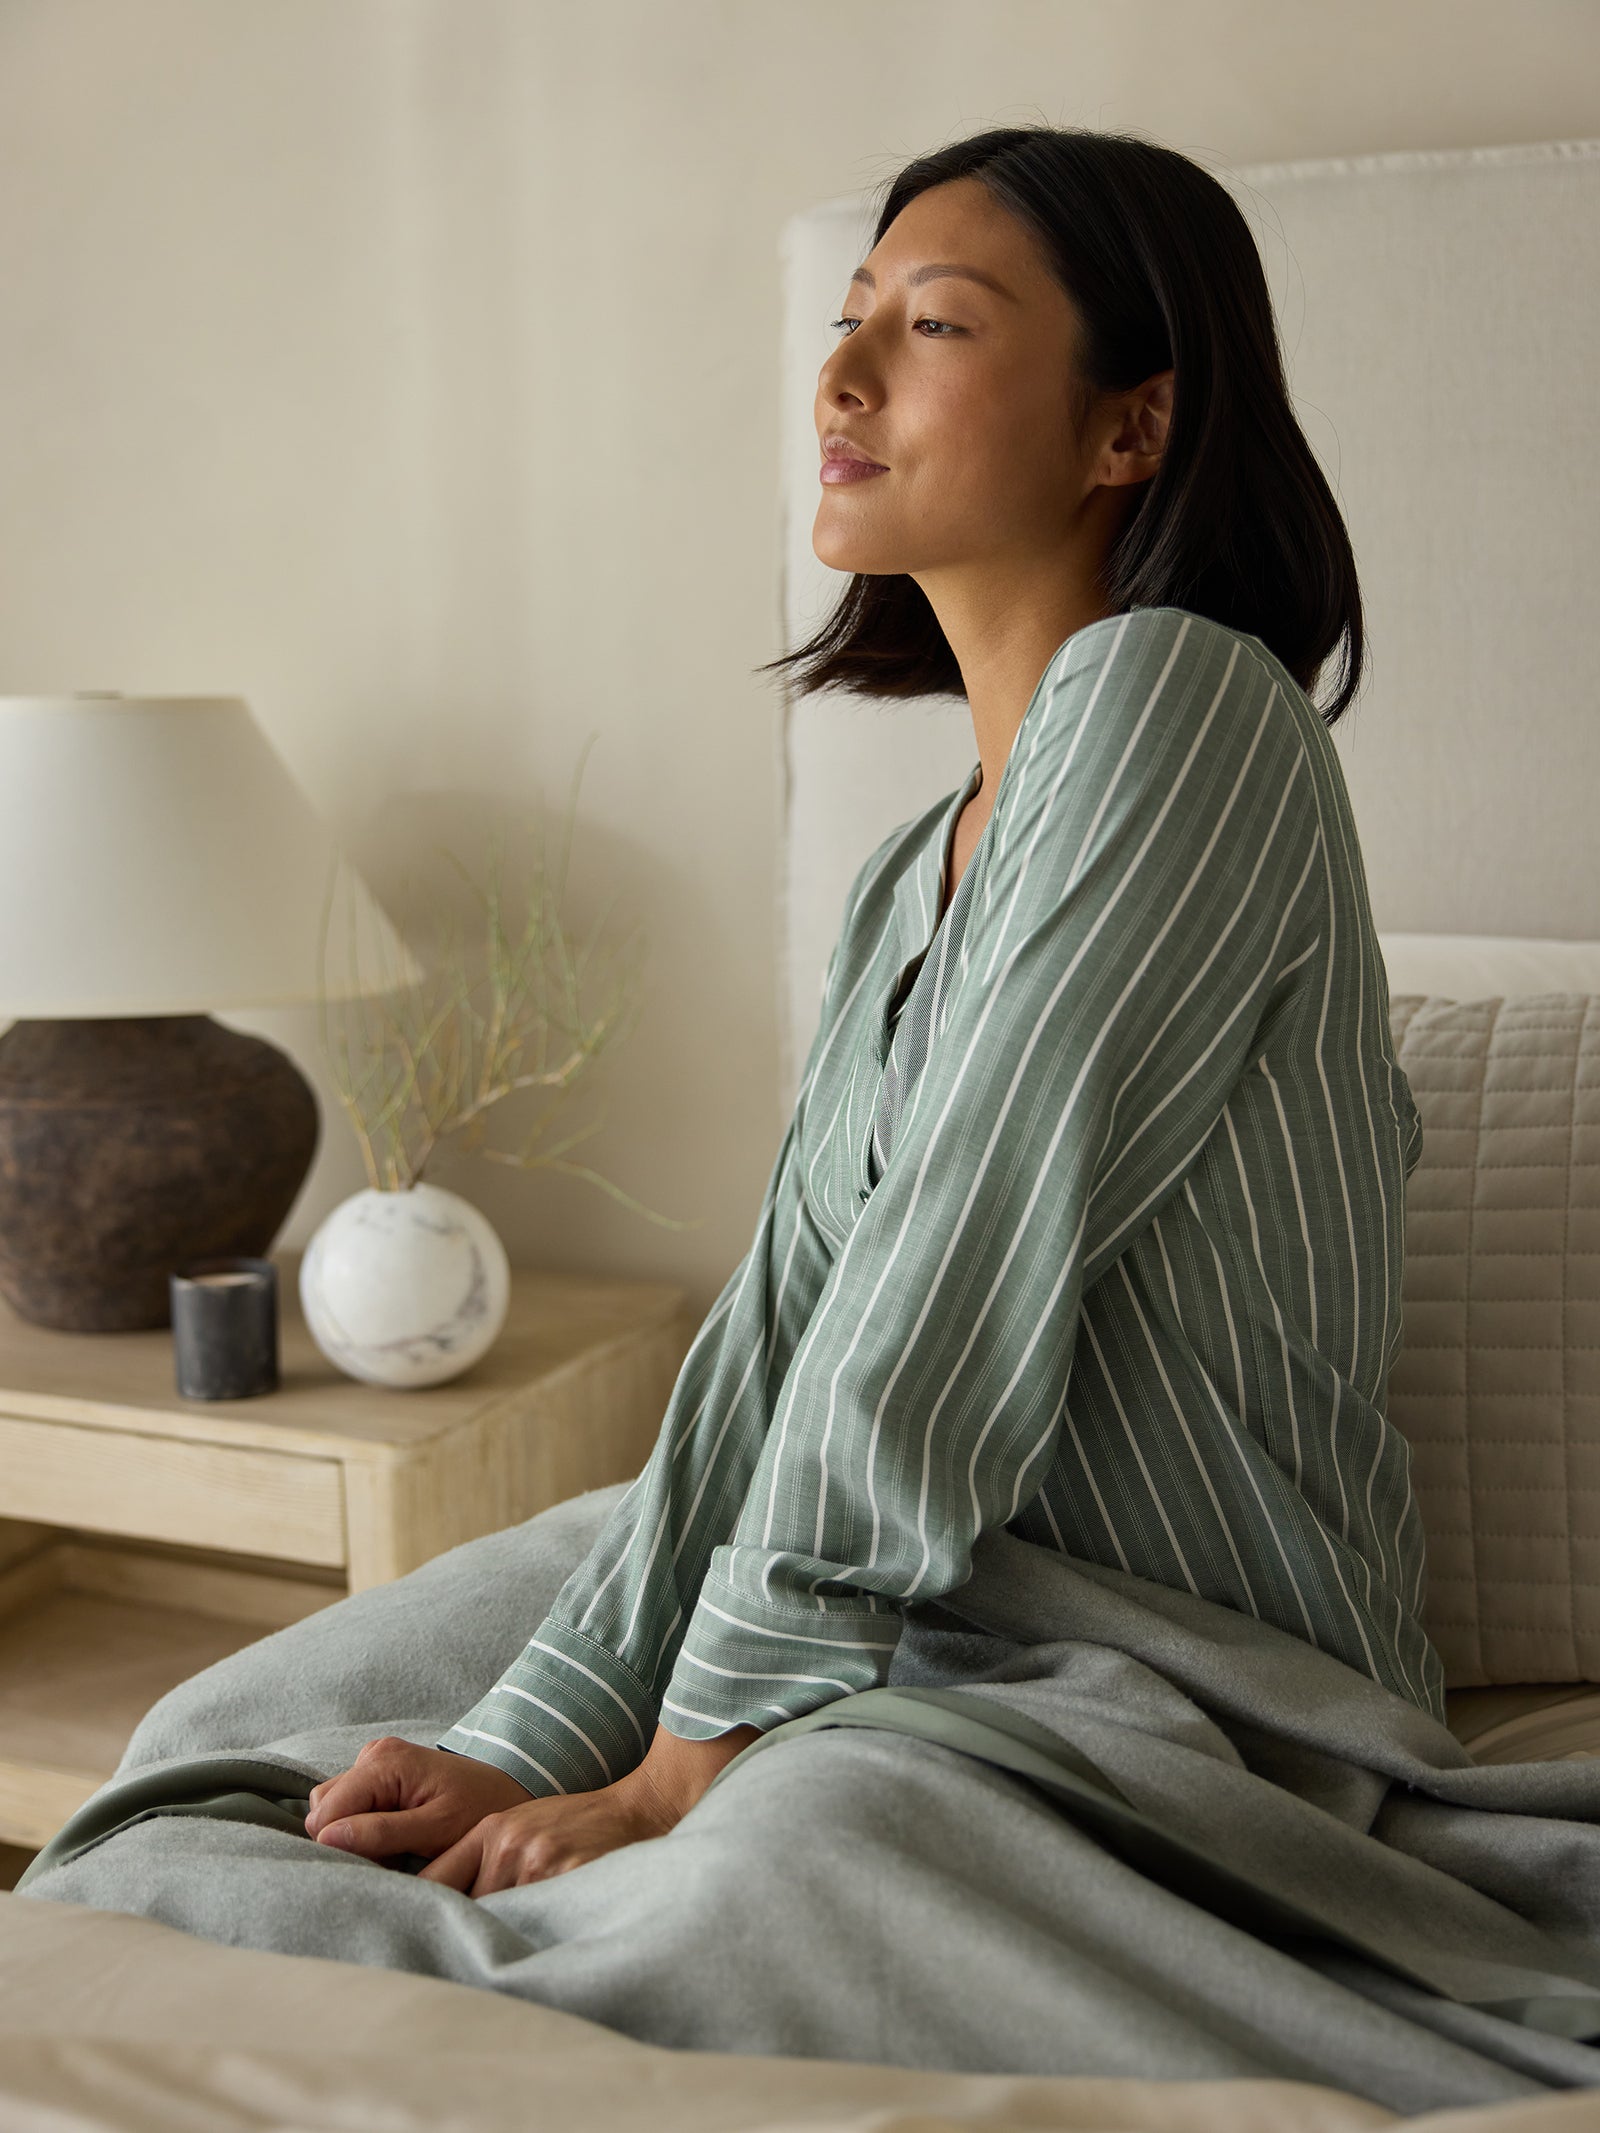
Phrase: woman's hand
x=542 y=1837
x=400 y=1798
x=547 y=1836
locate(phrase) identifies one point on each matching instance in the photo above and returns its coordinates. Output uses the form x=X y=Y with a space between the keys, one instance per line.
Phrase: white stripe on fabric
x=509 y=1688
x=538 y=1644
x=499 y=1741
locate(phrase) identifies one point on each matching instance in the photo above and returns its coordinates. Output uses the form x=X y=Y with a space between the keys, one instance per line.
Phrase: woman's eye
x=943 y=324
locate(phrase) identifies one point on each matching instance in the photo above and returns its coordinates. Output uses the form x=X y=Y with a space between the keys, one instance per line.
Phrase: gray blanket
x=1091 y=1826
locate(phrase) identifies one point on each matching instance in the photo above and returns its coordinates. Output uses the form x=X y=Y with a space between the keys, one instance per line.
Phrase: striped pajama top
x=1111 y=1255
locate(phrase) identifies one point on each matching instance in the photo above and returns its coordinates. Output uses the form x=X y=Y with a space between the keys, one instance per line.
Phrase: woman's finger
x=379 y=1743
x=457 y=1868
x=349 y=1794
x=500 y=1860
x=519 y=1847
x=377 y=1836
x=379 y=1782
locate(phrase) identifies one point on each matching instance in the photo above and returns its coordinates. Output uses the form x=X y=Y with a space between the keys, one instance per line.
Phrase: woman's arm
x=1153 y=875
x=577 y=1709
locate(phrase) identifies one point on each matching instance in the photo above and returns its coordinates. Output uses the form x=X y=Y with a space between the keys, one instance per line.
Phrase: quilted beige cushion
x=1497 y=1385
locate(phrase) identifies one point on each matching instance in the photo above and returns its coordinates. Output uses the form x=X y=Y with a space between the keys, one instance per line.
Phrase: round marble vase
x=405 y=1288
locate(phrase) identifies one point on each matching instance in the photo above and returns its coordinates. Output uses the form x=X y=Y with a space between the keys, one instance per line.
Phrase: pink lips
x=837 y=470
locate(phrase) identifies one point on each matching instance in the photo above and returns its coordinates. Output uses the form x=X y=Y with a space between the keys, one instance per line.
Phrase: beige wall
x=409 y=367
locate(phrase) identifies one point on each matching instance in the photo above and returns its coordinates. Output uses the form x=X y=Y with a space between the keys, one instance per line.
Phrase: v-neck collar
x=919 y=892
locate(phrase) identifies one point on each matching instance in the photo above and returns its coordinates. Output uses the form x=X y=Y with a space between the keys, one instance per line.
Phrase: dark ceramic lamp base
x=131 y=1147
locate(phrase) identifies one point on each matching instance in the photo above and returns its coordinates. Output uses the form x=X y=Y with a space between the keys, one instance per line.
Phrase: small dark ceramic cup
x=225 y=1328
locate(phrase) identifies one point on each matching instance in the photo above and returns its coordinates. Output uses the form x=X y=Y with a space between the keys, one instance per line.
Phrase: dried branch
x=417 y=1061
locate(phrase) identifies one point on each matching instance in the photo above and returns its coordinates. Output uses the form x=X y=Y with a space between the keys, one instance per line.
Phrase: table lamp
x=157 y=861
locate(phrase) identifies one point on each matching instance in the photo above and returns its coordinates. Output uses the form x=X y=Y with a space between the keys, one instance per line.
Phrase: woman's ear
x=1133 y=452
x=1157 y=407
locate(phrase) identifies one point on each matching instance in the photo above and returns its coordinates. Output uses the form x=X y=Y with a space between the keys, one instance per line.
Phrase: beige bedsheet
x=110 y=2021
x=1543 y=1723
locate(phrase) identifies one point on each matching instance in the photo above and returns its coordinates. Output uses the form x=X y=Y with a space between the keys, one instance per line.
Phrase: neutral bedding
x=1092 y=1827
x=117 y=2023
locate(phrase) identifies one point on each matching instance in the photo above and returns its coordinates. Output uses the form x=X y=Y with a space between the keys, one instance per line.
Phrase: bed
x=1425 y=300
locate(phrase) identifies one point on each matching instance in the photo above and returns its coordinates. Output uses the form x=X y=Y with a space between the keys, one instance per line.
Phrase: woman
x=1089 y=1217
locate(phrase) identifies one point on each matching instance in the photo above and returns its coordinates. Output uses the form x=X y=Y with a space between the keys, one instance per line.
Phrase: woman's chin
x=837 y=551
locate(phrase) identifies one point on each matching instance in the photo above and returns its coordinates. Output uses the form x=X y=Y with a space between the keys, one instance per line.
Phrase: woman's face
x=961 y=390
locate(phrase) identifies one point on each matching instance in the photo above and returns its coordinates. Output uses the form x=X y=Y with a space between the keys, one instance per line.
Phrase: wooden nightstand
x=143 y=1537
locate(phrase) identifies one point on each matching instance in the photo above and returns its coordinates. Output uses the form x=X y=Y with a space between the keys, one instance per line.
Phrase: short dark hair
x=1238 y=522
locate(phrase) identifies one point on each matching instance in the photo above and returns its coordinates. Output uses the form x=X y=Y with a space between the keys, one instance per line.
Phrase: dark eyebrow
x=941 y=271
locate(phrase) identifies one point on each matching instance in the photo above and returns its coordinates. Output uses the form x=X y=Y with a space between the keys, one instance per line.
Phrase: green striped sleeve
x=576 y=1709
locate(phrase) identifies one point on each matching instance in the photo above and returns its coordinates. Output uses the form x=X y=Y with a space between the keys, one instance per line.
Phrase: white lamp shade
x=158 y=858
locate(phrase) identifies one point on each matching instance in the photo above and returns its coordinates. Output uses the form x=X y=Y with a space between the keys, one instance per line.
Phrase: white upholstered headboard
x=1439 y=315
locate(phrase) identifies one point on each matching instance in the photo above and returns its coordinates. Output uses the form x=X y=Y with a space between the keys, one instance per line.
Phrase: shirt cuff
x=567 y=1716
x=744 y=1662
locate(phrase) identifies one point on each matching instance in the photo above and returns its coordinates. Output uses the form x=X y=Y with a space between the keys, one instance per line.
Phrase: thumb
x=377 y=1836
